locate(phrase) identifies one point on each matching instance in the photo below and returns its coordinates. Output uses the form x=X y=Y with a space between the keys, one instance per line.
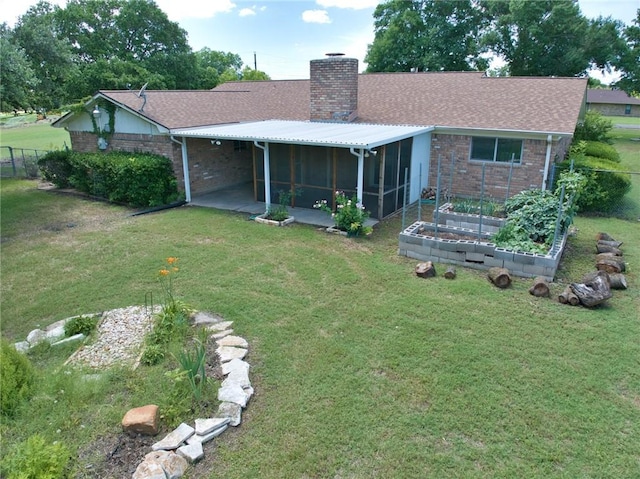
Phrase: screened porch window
x=496 y=149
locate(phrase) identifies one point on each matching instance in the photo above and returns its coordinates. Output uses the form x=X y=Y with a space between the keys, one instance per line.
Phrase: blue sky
x=286 y=34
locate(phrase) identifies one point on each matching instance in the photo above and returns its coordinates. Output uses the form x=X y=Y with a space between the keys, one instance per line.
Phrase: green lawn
x=623 y=120
x=41 y=136
x=361 y=369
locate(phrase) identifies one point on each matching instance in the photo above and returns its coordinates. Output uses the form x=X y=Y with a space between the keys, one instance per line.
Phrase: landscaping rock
x=238 y=377
x=205 y=426
x=161 y=465
x=206 y=318
x=22 y=346
x=220 y=326
x=227 y=353
x=70 y=339
x=191 y=452
x=233 y=365
x=233 y=393
x=36 y=336
x=222 y=334
x=175 y=438
x=233 y=341
x=232 y=411
x=203 y=438
x=55 y=332
x=141 y=420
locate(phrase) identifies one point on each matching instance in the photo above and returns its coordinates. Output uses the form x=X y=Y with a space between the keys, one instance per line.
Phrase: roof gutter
x=497 y=132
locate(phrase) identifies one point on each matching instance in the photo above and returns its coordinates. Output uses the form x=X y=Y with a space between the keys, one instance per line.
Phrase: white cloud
x=315 y=16
x=353 y=4
x=194 y=8
x=247 y=12
x=10 y=10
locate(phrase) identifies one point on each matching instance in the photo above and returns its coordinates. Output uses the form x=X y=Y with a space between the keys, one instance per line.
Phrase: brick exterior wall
x=85 y=141
x=614 y=110
x=467 y=175
x=334 y=89
x=212 y=167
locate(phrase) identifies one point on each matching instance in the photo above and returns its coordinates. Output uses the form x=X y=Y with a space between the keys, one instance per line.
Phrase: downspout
x=547 y=162
x=267 y=174
x=185 y=168
x=360 y=187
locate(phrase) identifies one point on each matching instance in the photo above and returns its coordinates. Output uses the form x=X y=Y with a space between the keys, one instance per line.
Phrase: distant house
x=613 y=103
x=341 y=130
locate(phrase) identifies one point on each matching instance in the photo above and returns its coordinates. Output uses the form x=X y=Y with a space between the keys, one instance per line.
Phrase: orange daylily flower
x=164 y=272
x=172 y=260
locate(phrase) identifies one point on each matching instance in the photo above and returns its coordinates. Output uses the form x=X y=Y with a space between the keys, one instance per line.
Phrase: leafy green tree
x=49 y=53
x=17 y=78
x=629 y=62
x=249 y=74
x=211 y=65
x=428 y=35
x=544 y=38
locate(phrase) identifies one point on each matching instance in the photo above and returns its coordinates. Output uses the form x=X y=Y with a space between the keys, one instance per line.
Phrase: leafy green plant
x=37 y=459
x=599 y=149
x=192 y=363
x=350 y=214
x=80 y=325
x=594 y=127
x=56 y=168
x=470 y=206
x=17 y=378
x=153 y=354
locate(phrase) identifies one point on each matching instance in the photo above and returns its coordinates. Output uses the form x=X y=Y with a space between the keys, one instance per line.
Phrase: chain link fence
x=20 y=162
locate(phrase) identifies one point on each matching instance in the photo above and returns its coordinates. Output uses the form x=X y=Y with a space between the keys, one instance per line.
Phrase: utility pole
x=255 y=62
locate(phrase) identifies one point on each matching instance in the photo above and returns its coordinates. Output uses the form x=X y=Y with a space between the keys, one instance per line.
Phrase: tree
x=629 y=62
x=211 y=65
x=249 y=74
x=49 y=53
x=541 y=38
x=429 y=35
x=17 y=78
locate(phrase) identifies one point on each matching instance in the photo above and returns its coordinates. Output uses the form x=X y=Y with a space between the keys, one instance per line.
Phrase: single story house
x=341 y=130
x=613 y=103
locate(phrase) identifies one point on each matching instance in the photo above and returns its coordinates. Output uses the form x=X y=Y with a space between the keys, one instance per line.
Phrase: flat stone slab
x=222 y=334
x=233 y=393
x=192 y=452
x=174 y=439
x=235 y=365
x=207 y=318
x=232 y=411
x=205 y=426
x=70 y=339
x=233 y=341
x=227 y=353
x=203 y=438
x=219 y=326
x=239 y=377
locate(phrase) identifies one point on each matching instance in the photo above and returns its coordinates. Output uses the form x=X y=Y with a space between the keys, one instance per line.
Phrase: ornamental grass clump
x=350 y=214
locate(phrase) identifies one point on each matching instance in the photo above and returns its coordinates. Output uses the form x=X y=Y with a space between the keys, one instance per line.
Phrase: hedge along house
x=341 y=130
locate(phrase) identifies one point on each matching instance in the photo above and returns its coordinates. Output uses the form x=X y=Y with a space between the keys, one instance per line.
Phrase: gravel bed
x=119 y=338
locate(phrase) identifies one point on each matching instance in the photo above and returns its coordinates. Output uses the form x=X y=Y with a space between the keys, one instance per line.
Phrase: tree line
x=533 y=38
x=55 y=56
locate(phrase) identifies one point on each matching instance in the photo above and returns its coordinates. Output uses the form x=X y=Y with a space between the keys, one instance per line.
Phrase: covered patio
x=240 y=199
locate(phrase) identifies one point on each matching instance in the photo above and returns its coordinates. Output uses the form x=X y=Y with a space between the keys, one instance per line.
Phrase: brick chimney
x=334 y=88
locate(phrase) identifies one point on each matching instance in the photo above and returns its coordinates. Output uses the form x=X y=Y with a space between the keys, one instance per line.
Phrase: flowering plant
x=165 y=276
x=349 y=216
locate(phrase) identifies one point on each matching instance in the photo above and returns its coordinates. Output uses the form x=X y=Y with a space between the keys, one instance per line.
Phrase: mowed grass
x=360 y=368
x=41 y=136
x=623 y=120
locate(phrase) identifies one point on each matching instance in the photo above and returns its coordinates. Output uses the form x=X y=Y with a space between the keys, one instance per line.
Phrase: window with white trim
x=496 y=149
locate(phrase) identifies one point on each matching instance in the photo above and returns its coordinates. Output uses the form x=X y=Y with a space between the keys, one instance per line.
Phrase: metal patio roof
x=342 y=135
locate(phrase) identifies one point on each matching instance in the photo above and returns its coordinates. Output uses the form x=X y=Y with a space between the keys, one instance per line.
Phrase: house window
x=496 y=149
x=627 y=110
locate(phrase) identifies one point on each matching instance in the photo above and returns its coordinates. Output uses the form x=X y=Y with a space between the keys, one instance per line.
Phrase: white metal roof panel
x=343 y=135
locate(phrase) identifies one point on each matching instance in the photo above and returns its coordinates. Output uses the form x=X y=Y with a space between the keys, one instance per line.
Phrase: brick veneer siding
x=467 y=175
x=334 y=89
x=608 y=109
x=157 y=144
x=212 y=167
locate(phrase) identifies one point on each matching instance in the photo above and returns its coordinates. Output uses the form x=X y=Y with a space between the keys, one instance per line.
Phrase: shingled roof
x=612 y=97
x=445 y=99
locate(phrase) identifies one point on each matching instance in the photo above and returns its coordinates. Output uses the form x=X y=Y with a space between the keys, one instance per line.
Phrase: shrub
x=135 y=179
x=604 y=190
x=349 y=216
x=35 y=459
x=56 y=168
x=80 y=325
x=16 y=377
x=593 y=128
x=601 y=150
